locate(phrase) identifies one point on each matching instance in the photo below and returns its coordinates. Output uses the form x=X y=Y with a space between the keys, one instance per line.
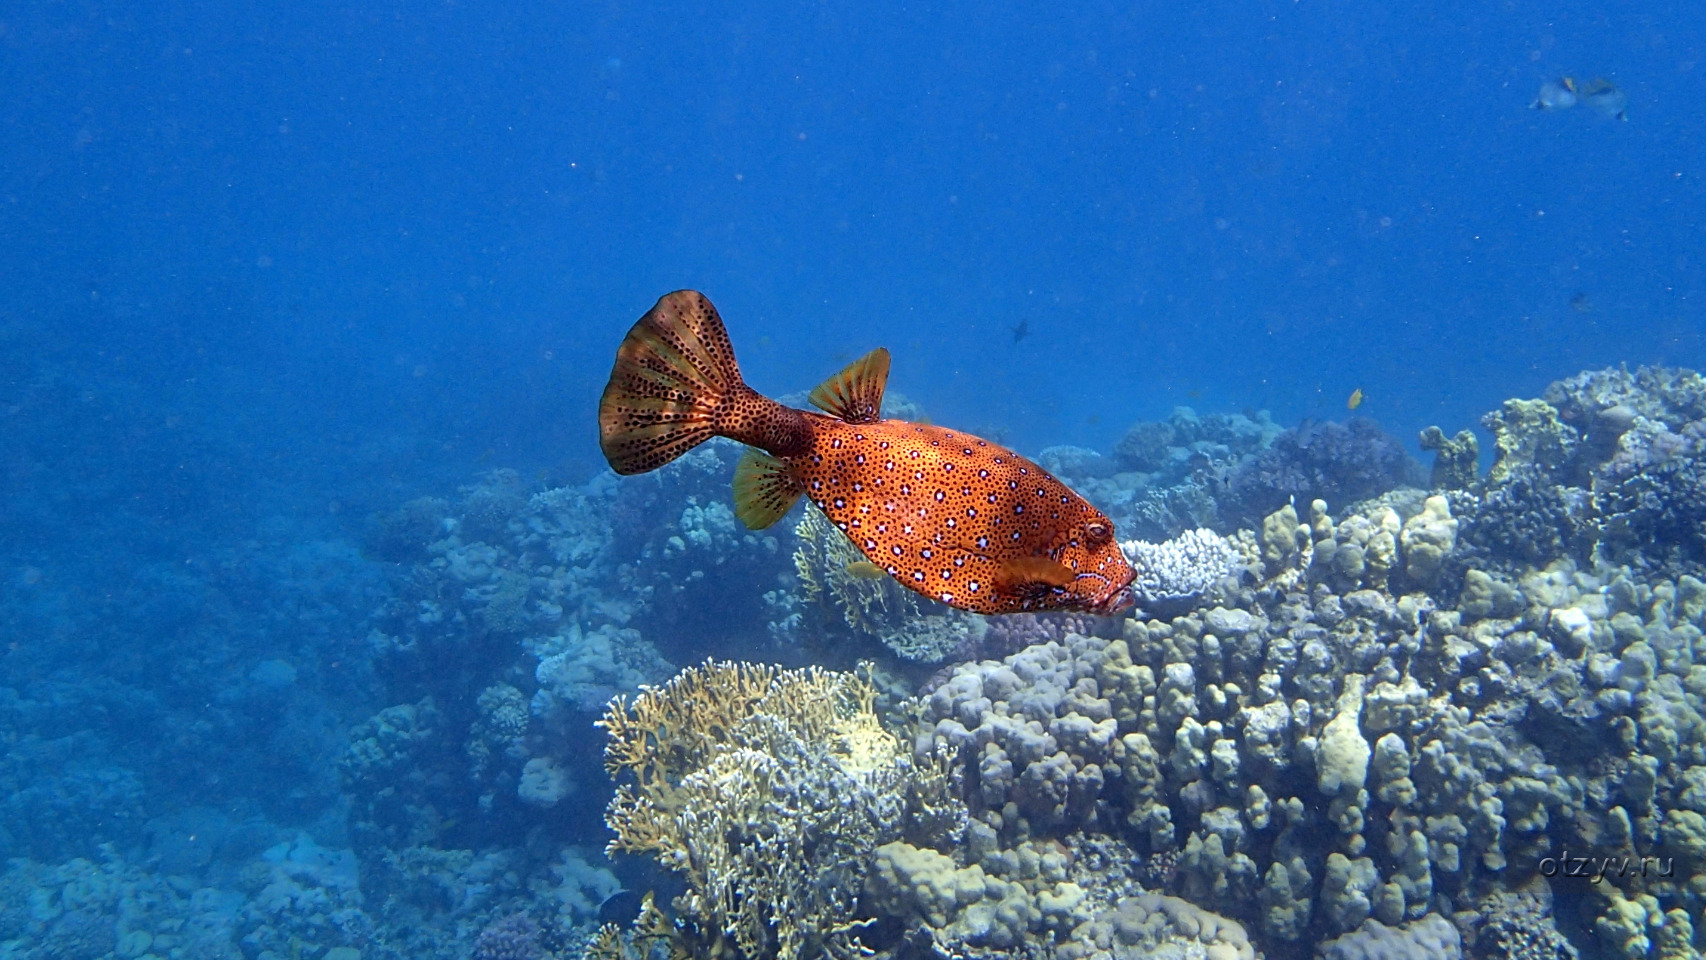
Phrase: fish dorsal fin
x=764 y=490
x=856 y=393
x=1032 y=574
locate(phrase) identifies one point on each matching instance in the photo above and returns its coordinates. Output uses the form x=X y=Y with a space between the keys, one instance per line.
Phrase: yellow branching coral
x=768 y=790
x=824 y=559
x=809 y=557
x=653 y=937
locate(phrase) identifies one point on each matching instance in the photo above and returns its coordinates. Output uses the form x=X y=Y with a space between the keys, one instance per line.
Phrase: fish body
x=1559 y=94
x=956 y=518
x=1606 y=99
x=1355 y=399
x=953 y=517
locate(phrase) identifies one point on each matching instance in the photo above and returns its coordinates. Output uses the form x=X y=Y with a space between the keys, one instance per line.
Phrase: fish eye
x=1096 y=531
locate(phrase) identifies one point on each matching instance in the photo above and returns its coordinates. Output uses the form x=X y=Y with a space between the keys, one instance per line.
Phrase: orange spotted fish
x=955 y=518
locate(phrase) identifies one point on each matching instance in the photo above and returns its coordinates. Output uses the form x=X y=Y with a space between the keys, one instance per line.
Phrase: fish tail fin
x=764 y=490
x=855 y=395
x=673 y=373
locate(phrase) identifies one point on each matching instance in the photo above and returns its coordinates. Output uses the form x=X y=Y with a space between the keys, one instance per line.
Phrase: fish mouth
x=1115 y=599
x=1114 y=603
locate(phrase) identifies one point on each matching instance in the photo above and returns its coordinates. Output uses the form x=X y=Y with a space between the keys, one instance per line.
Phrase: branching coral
x=827 y=561
x=768 y=791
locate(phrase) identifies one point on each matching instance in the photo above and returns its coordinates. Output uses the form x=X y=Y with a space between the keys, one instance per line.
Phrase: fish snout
x=1114 y=602
x=1115 y=596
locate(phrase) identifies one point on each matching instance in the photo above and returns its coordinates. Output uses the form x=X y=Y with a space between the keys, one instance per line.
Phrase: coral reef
x=514 y=617
x=1032 y=901
x=1332 y=745
x=1430 y=938
x=297 y=899
x=1370 y=720
x=1335 y=462
x=1167 y=447
x=88 y=909
x=1455 y=458
x=1602 y=468
x=1009 y=634
x=1164 y=476
x=515 y=937
x=1518 y=925
x=1392 y=713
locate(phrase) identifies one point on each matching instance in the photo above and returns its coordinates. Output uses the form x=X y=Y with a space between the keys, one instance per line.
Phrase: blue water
x=271 y=270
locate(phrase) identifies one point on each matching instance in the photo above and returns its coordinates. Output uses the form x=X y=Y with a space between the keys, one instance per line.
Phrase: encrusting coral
x=768 y=791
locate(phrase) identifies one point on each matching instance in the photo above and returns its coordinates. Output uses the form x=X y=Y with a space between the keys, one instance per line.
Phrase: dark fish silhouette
x=620 y=908
x=1021 y=330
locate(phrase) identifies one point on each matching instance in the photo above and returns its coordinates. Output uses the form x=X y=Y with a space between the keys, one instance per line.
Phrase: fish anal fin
x=764 y=490
x=855 y=395
x=1033 y=574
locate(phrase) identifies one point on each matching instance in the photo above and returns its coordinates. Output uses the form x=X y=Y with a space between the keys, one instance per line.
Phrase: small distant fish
x=1559 y=94
x=865 y=570
x=950 y=516
x=1606 y=99
x=1601 y=96
x=1581 y=303
x=1355 y=400
x=1021 y=330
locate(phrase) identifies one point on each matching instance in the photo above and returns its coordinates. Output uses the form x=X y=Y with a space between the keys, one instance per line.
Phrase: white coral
x=1185 y=566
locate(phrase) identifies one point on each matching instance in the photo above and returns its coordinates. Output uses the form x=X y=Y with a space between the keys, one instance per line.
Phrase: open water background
x=269 y=269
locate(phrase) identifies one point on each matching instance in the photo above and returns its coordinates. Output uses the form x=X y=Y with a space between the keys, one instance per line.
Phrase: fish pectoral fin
x=1033 y=574
x=764 y=490
x=855 y=395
